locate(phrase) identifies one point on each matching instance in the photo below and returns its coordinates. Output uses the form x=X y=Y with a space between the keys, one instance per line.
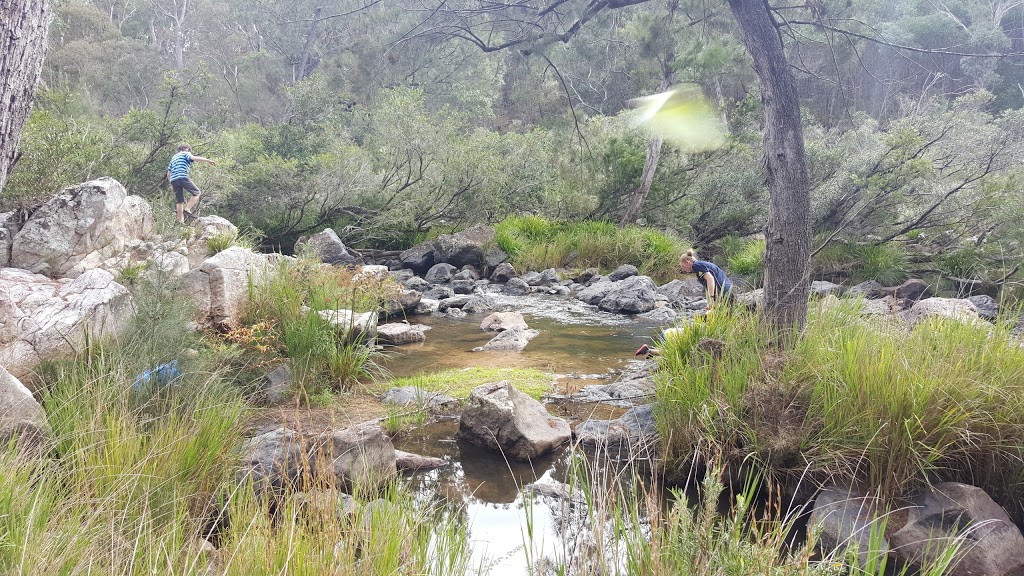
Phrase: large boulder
x=403 y=303
x=634 y=295
x=440 y=273
x=499 y=417
x=418 y=398
x=635 y=432
x=357 y=456
x=419 y=258
x=503 y=273
x=661 y=314
x=822 y=288
x=623 y=272
x=501 y=321
x=633 y=386
x=907 y=293
x=21 y=417
x=327 y=246
x=400 y=333
x=952 y=308
x=212 y=226
x=992 y=545
x=360 y=455
x=351 y=324
x=478 y=304
x=516 y=287
x=867 y=289
x=681 y=292
x=466 y=247
x=41 y=318
x=463 y=286
x=596 y=292
x=220 y=285
x=80 y=228
x=844 y=521
x=986 y=306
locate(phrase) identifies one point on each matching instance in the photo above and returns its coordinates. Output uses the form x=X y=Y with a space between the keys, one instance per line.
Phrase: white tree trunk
x=23 y=28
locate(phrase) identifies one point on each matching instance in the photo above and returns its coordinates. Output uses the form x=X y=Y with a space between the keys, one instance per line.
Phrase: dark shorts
x=182 y=184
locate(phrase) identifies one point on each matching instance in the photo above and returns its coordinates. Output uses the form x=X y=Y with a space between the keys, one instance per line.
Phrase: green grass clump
x=323 y=356
x=885 y=263
x=536 y=244
x=749 y=261
x=852 y=402
x=386 y=534
x=460 y=382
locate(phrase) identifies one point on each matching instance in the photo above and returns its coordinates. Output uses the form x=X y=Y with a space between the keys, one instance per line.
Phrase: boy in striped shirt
x=177 y=175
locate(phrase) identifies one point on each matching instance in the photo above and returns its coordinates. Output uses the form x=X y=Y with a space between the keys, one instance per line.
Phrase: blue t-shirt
x=722 y=282
x=179 y=166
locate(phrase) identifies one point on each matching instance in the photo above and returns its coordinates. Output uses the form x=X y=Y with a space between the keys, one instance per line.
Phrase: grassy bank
x=854 y=402
x=534 y=243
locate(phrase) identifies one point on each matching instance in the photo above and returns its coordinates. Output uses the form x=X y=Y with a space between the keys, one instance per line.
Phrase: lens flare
x=682 y=116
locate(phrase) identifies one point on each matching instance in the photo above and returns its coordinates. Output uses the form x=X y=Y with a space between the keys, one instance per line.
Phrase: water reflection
x=511 y=529
x=574 y=338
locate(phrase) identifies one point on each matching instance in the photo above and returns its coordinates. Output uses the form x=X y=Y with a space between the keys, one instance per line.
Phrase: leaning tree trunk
x=636 y=199
x=788 y=253
x=23 y=28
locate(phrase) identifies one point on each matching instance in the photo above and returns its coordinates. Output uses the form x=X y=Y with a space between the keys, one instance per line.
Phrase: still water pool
x=575 y=339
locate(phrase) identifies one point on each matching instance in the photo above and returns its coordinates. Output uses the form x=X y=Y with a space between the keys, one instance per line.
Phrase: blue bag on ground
x=159 y=376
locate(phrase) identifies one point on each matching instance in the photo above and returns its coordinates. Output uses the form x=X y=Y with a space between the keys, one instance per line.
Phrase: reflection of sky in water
x=574 y=338
x=486 y=491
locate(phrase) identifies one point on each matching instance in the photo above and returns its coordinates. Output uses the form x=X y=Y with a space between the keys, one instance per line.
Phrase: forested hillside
x=393 y=120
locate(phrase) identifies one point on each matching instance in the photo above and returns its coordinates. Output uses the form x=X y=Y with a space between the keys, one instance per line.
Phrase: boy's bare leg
x=192 y=202
x=181 y=214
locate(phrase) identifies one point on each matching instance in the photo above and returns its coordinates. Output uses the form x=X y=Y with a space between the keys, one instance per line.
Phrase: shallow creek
x=577 y=342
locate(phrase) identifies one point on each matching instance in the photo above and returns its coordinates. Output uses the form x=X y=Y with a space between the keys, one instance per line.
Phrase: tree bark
x=788 y=237
x=304 y=60
x=23 y=28
x=635 y=202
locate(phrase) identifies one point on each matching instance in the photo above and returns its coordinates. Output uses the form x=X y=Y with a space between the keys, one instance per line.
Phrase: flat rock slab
x=514 y=340
x=398 y=334
x=413 y=396
x=409 y=462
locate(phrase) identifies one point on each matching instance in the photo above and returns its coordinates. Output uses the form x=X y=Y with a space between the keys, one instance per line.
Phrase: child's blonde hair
x=688 y=256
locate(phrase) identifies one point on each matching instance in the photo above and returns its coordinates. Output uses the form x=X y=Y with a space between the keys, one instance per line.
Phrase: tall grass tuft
x=615 y=521
x=852 y=402
x=323 y=355
x=536 y=244
x=886 y=263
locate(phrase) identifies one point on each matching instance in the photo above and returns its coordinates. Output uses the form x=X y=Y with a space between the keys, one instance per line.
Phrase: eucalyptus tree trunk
x=636 y=199
x=23 y=28
x=788 y=237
